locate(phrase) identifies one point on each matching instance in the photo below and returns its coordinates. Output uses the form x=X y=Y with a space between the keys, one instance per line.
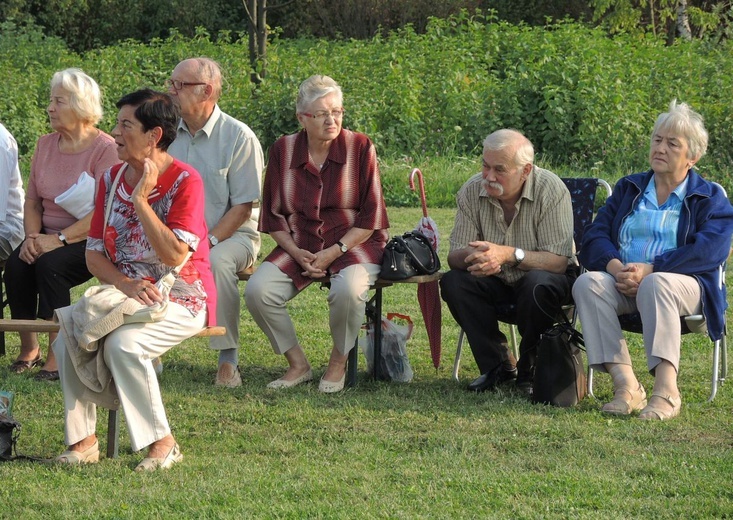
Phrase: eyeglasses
x=178 y=85
x=336 y=113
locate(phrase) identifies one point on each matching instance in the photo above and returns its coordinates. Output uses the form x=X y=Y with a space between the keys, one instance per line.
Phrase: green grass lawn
x=426 y=449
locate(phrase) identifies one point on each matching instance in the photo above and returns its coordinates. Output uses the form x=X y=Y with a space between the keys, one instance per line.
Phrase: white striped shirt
x=11 y=191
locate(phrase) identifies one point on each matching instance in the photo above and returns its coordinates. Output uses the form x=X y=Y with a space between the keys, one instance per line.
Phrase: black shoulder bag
x=408 y=255
x=559 y=375
x=9 y=432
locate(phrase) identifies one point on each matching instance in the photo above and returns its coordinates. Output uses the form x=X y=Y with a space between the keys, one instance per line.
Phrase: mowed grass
x=426 y=449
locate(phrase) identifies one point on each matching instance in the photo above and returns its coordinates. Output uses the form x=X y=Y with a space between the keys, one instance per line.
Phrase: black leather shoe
x=524 y=388
x=491 y=379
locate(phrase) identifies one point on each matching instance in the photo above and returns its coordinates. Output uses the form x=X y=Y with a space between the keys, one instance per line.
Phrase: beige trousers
x=229 y=257
x=269 y=289
x=661 y=299
x=128 y=352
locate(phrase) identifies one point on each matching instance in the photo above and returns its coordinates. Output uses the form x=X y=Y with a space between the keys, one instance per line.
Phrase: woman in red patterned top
x=323 y=206
x=156 y=218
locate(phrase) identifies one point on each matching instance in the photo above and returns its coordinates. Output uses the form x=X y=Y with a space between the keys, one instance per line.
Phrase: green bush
x=585 y=100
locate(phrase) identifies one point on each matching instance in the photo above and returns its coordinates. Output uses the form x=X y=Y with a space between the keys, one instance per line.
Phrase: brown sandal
x=47 y=375
x=19 y=366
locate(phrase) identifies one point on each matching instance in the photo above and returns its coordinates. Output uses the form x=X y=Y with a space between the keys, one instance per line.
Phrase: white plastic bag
x=394 y=364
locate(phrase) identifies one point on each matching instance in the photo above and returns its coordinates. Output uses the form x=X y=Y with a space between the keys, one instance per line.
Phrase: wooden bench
x=113 y=421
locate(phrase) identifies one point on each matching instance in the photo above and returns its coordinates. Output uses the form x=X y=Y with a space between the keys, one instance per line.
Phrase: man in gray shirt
x=511 y=245
x=229 y=158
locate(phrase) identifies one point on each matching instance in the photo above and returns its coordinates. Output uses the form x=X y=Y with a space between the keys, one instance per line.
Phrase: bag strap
x=409 y=251
x=576 y=335
x=110 y=198
x=108 y=210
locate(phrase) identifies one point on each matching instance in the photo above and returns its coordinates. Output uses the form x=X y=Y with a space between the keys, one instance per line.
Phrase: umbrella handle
x=417 y=172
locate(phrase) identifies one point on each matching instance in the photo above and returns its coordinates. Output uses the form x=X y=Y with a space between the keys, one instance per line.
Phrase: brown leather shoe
x=228 y=375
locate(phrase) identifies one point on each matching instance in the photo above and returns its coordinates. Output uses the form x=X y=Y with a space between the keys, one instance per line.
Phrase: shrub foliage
x=585 y=99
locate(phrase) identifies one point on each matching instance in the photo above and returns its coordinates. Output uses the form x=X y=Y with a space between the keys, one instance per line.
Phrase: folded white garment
x=78 y=200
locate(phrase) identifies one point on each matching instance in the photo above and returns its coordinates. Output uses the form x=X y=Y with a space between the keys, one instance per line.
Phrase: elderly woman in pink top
x=323 y=206
x=50 y=261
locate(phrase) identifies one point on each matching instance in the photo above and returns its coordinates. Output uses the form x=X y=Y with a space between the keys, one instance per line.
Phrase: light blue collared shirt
x=651 y=229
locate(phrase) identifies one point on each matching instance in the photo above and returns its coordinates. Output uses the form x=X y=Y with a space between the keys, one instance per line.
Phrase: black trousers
x=35 y=290
x=479 y=303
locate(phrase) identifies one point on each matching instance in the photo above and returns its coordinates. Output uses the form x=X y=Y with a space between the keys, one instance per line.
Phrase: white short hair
x=85 y=98
x=683 y=121
x=314 y=88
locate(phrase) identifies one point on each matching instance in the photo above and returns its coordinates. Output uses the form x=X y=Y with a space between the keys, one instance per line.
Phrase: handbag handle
x=415 y=259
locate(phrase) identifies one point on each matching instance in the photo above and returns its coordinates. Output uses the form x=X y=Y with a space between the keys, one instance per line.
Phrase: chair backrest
x=583 y=196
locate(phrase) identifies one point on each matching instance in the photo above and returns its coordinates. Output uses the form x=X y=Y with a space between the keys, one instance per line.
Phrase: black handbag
x=409 y=255
x=559 y=376
x=9 y=431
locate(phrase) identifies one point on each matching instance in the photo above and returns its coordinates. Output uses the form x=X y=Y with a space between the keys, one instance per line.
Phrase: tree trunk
x=257 y=33
x=683 y=22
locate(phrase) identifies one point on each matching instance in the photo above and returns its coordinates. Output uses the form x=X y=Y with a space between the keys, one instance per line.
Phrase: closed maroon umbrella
x=428 y=293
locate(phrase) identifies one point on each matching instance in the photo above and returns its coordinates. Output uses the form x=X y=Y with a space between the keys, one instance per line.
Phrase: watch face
x=213 y=240
x=344 y=248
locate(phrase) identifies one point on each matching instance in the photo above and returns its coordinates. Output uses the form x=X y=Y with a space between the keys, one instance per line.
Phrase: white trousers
x=269 y=289
x=228 y=258
x=661 y=299
x=128 y=352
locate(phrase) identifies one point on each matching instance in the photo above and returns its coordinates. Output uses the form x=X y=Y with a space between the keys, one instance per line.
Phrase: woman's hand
x=147 y=182
x=306 y=260
x=47 y=243
x=28 y=250
x=630 y=276
x=323 y=261
x=142 y=290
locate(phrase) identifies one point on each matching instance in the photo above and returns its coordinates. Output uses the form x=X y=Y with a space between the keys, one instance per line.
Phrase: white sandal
x=89 y=455
x=153 y=463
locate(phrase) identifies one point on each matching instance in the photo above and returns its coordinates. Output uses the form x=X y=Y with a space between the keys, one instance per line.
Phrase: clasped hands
x=315 y=265
x=630 y=276
x=36 y=244
x=486 y=258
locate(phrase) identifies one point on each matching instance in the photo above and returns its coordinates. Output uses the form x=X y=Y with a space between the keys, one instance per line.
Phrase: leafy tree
x=670 y=18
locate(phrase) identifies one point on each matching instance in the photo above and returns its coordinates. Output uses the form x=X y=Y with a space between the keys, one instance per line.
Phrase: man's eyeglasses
x=336 y=113
x=178 y=85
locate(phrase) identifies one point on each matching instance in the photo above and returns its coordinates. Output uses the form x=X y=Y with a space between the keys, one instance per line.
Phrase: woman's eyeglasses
x=336 y=113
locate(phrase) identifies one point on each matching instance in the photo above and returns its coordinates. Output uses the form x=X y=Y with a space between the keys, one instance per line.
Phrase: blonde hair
x=85 y=98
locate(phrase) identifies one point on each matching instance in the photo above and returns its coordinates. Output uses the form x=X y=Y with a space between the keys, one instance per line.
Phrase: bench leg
x=352 y=364
x=113 y=434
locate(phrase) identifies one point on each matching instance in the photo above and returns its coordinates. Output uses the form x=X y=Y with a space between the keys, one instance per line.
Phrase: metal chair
x=691 y=324
x=583 y=196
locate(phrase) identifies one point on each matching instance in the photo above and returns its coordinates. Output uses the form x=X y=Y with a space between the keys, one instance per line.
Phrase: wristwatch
x=213 y=240
x=342 y=246
x=62 y=237
x=518 y=255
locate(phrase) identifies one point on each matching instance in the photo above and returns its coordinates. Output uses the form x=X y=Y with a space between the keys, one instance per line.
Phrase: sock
x=230 y=355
